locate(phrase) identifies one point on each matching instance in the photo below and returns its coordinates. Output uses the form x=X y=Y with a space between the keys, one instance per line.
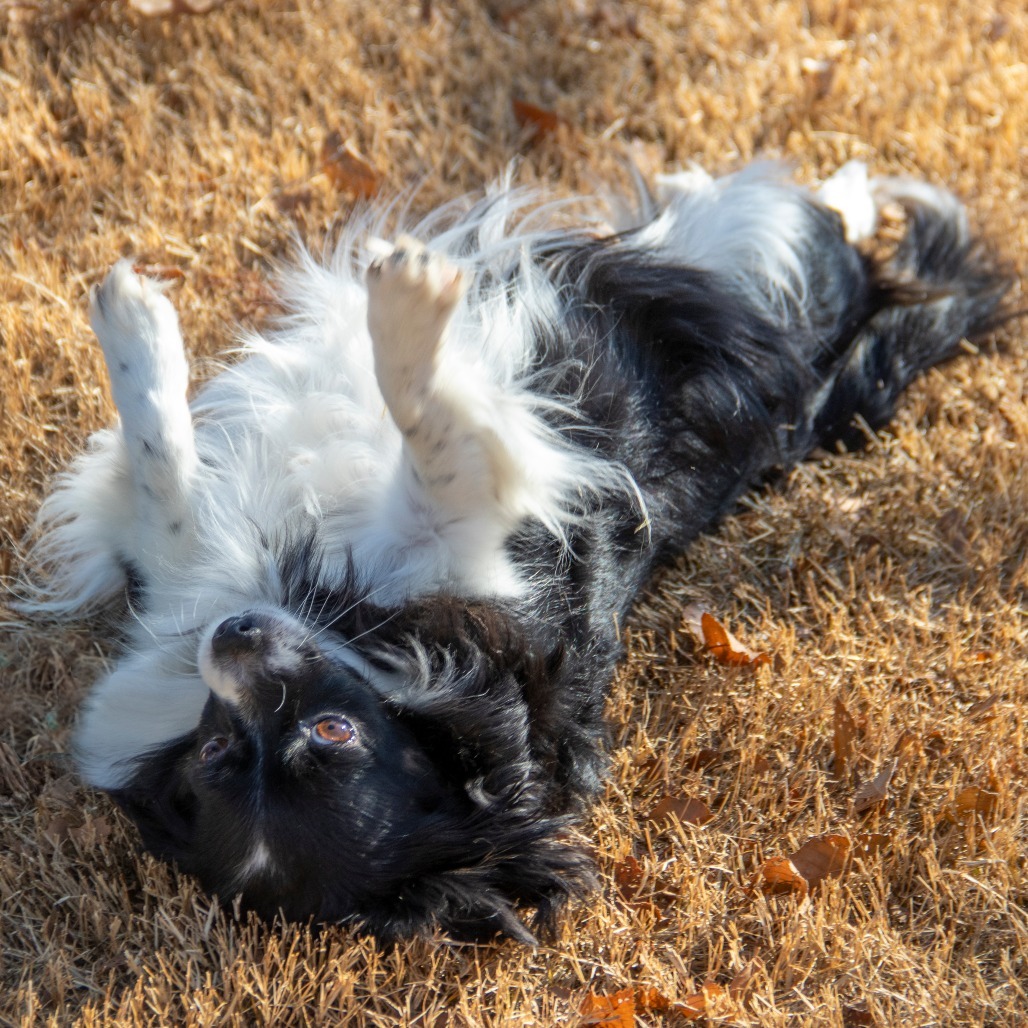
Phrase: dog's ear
x=517 y=858
x=160 y=801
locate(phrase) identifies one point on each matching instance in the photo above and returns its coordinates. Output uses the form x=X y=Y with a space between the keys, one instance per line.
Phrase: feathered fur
x=376 y=573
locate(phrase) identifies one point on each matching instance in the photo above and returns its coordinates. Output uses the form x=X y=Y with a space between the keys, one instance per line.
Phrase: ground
x=888 y=587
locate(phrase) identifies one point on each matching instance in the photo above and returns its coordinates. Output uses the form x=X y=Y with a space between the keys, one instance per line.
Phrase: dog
x=375 y=569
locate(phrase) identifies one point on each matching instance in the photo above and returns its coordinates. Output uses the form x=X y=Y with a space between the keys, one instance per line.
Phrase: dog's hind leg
x=138 y=330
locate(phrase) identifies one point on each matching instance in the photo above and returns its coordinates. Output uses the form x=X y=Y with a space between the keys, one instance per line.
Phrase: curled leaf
x=710 y=634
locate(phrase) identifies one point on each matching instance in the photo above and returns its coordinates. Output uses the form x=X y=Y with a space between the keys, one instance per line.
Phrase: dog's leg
x=451 y=431
x=138 y=330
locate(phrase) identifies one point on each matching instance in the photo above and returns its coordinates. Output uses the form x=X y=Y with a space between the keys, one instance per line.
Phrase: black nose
x=240 y=634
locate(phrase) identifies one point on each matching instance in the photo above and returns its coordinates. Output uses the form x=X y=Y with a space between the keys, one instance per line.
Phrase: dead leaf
x=817 y=859
x=693 y=1007
x=822 y=857
x=686 y=809
x=705 y=757
x=541 y=121
x=974 y=800
x=346 y=169
x=779 y=874
x=740 y=986
x=290 y=201
x=710 y=634
x=857 y=1016
x=983 y=709
x=869 y=844
x=844 y=732
x=628 y=876
x=615 y=1009
x=876 y=791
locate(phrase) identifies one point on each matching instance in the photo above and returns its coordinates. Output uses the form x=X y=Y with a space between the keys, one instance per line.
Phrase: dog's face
x=318 y=785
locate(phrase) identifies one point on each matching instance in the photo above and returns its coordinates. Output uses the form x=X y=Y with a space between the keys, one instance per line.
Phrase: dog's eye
x=213 y=748
x=333 y=731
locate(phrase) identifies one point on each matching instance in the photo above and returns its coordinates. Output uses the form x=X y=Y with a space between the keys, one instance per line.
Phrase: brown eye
x=333 y=730
x=213 y=748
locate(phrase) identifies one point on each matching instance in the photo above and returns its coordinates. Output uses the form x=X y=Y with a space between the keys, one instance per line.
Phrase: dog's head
x=397 y=791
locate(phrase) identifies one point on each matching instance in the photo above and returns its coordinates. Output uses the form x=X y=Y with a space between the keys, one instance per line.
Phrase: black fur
x=455 y=805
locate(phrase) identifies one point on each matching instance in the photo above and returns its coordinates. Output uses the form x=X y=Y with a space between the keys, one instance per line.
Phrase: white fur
x=302 y=436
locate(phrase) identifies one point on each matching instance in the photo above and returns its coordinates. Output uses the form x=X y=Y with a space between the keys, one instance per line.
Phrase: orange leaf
x=845 y=729
x=823 y=857
x=540 y=120
x=686 y=809
x=779 y=874
x=628 y=875
x=617 y=1009
x=709 y=633
x=693 y=1007
x=817 y=859
x=971 y=801
x=347 y=170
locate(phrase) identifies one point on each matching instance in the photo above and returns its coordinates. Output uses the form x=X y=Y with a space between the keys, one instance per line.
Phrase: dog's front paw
x=137 y=327
x=412 y=295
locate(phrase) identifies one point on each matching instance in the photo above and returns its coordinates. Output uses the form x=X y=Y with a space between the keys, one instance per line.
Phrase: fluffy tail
x=939 y=289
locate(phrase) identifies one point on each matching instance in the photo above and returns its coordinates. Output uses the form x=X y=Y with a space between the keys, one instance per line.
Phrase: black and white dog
x=376 y=568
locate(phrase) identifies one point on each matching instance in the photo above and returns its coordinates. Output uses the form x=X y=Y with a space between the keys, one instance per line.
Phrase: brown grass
x=895 y=579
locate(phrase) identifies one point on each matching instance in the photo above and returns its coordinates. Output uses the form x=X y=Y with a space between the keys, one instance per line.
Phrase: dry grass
x=895 y=579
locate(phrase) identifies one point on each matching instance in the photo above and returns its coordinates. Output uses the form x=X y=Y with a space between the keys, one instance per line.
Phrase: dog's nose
x=235 y=635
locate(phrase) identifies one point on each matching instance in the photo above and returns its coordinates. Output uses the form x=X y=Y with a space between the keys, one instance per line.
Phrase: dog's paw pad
x=412 y=293
x=135 y=323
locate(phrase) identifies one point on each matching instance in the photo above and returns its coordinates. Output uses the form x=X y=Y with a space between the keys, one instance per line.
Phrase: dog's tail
x=938 y=290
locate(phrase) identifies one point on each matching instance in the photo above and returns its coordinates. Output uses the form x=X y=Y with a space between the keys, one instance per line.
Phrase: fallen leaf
x=540 y=120
x=628 y=876
x=705 y=757
x=615 y=1009
x=844 y=732
x=693 y=1007
x=876 y=791
x=779 y=874
x=822 y=857
x=857 y=1017
x=817 y=859
x=709 y=633
x=983 y=709
x=685 y=809
x=346 y=169
x=869 y=844
x=740 y=986
x=971 y=801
